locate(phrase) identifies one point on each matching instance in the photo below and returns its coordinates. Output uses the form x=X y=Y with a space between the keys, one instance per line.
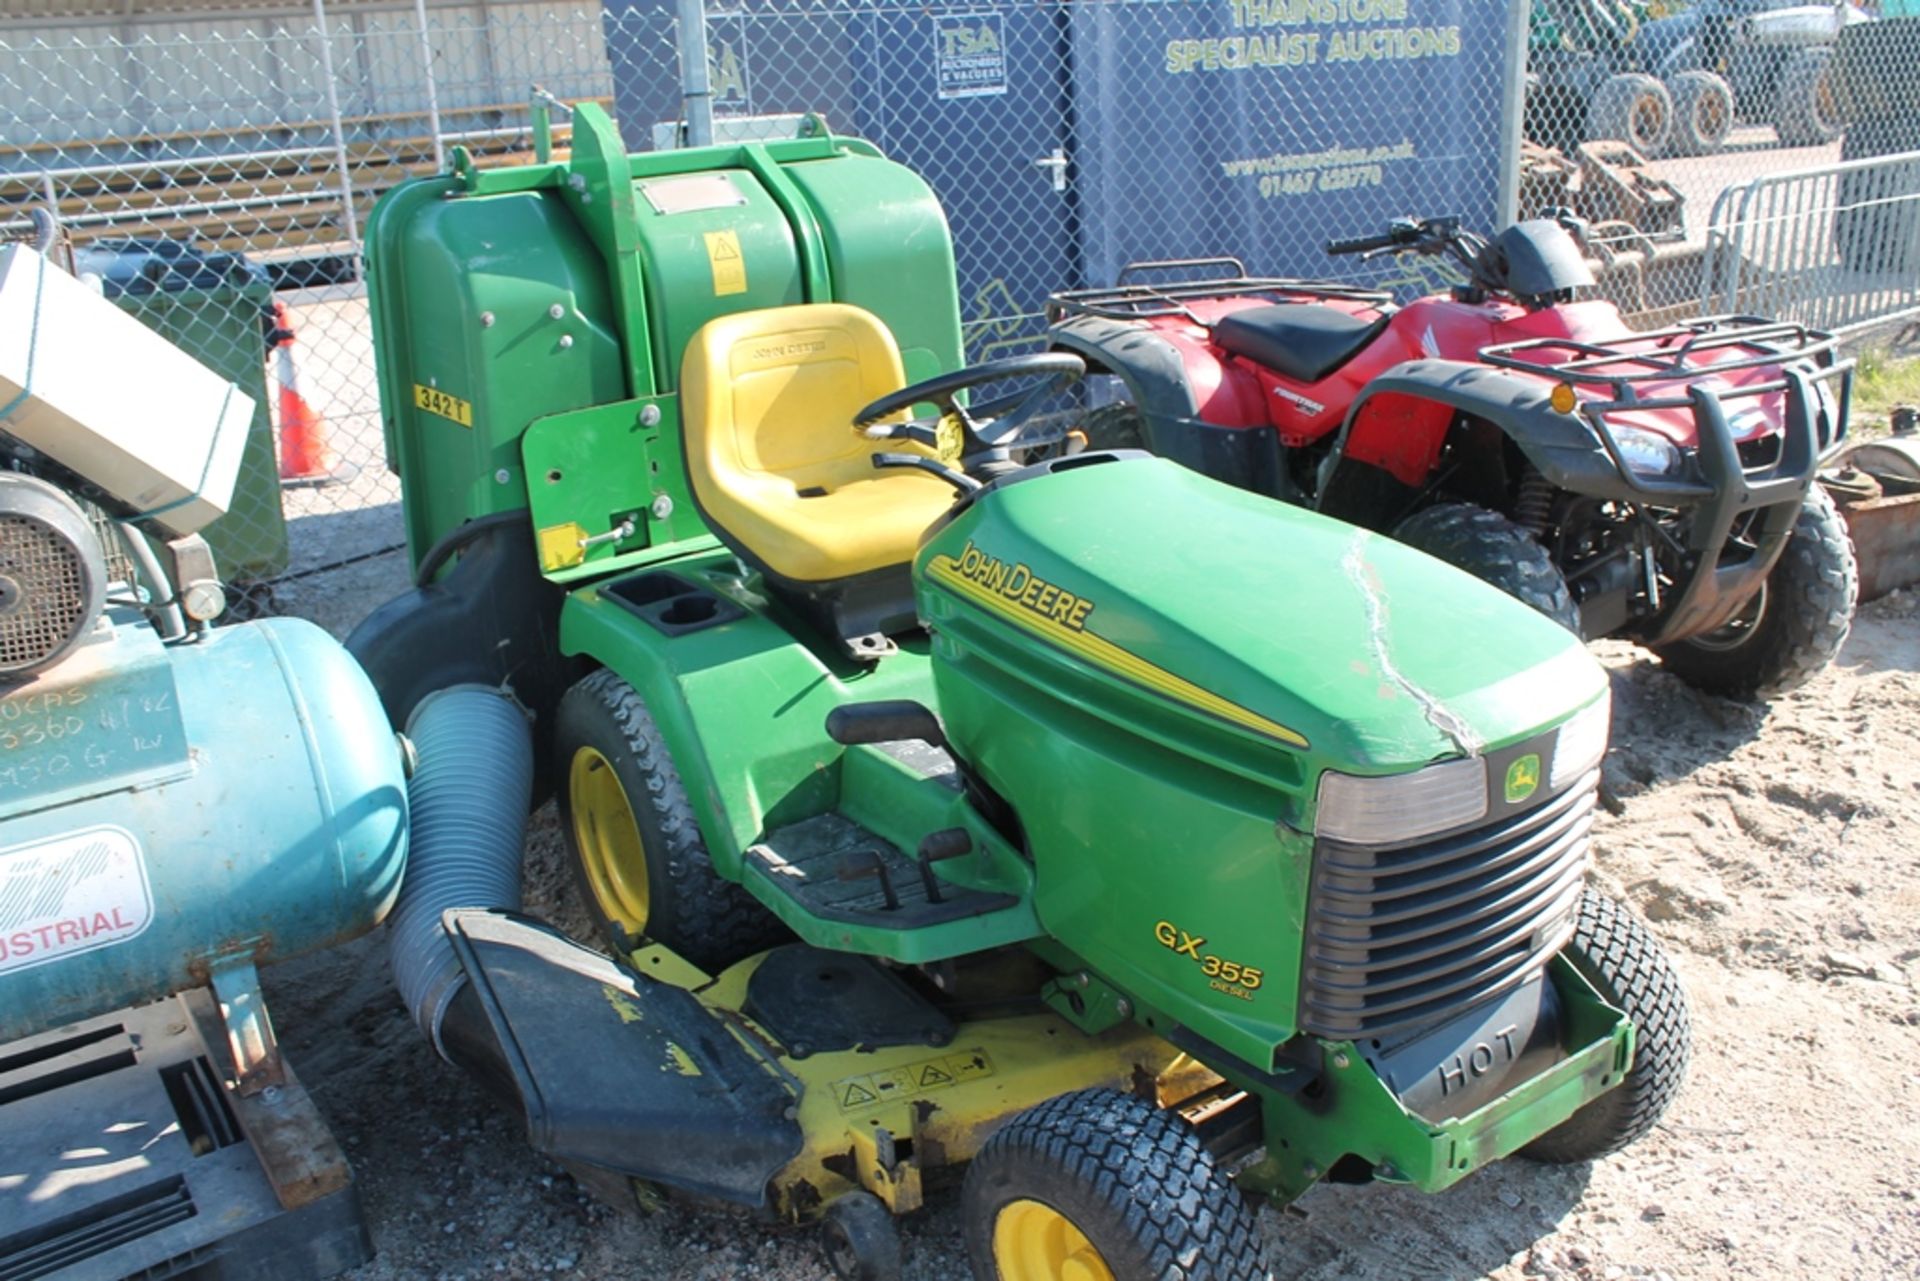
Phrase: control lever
x=937 y=847
x=861 y=864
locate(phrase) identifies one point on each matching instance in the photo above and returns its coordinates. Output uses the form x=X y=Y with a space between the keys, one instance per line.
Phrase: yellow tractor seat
x=767 y=400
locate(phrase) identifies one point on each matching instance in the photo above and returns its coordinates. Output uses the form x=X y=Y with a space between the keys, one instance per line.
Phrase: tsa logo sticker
x=71 y=894
x=969 y=55
x=1523 y=776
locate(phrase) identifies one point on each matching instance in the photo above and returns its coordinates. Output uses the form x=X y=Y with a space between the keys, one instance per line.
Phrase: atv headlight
x=1646 y=451
x=1581 y=744
x=1401 y=807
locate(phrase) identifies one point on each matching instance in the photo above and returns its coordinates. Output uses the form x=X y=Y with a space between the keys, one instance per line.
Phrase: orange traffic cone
x=305 y=457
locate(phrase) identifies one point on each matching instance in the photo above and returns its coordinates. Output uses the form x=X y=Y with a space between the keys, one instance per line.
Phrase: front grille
x=1401 y=937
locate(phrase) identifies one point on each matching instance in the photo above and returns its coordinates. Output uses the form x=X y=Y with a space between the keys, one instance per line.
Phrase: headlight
x=1646 y=451
x=1401 y=807
x=1581 y=744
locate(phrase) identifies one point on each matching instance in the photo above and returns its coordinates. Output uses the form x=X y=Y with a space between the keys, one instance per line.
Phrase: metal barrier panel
x=1837 y=248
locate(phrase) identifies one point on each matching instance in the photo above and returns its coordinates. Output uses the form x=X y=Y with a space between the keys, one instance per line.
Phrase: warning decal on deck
x=71 y=894
x=912 y=1079
x=729 y=267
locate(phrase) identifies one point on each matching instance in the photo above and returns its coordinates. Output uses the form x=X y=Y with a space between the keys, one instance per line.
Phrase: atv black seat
x=1299 y=340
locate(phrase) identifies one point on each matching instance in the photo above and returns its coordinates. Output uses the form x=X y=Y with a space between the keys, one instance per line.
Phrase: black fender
x=1148 y=364
x=1562 y=446
x=1157 y=383
x=491 y=619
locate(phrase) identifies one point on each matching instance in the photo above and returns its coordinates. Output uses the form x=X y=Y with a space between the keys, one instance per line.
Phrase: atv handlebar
x=1361 y=244
x=1427 y=235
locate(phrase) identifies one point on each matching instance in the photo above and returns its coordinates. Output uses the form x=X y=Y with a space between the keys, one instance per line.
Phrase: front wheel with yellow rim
x=1101 y=1186
x=638 y=856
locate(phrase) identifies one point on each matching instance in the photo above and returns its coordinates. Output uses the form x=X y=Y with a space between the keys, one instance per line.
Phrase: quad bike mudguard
x=1577 y=452
x=1159 y=382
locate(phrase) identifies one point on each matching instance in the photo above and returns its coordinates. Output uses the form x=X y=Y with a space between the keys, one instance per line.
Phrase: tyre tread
x=1495 y=550
x=1813 y=589
x=1144 y=1166
x=709 y=920
x=1622 y=958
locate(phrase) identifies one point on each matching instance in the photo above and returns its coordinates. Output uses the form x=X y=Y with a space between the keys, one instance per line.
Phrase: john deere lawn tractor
x=945 y=797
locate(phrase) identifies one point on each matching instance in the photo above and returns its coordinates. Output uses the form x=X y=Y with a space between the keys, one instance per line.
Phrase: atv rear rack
x=1137 y=299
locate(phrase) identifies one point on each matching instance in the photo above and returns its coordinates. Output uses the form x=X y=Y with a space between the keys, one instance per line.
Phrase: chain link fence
x=214 y=164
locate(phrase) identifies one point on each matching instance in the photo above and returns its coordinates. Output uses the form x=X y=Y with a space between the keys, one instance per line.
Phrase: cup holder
x=684 y=611
x=671 y=603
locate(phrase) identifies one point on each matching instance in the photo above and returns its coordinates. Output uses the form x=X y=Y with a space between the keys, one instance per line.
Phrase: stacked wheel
x=1806 y=111
x=1702 y=113
x=1634 y=108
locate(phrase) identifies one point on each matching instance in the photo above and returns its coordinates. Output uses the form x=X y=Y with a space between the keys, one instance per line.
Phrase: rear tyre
x=1635 y=109
x=1628 y=967
x=1702 y=113
x=1494 y=550
x=638 y=857
x=1807 y=112
x=1795 y=623
x=1101 y=1185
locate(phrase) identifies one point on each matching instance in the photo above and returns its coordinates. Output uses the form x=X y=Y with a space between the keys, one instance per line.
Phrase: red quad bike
x=1656 y=486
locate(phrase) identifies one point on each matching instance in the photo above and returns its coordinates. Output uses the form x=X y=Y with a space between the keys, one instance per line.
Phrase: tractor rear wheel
x=1494 y=550
x=1807 y=112
x=1635 y=109
x=638 y=857
x=1702 y=113
x=1628 y=967
x=1098 y=1185
x=1792 y=627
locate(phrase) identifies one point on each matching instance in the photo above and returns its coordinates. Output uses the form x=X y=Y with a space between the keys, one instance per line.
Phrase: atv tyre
x=1106 y=1178
x=1116 y=426
x=1635 y=109
x=1494 y=550
x=1702 y=113
x=1629 y=968
x=1806 y=112
x=639 y=862
x=1794 y=625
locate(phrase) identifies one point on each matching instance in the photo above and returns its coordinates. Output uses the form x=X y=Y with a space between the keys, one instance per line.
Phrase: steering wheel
x=968 y=447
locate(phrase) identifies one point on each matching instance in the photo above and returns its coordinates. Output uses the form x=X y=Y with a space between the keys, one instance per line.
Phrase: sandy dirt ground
x=1772 y=849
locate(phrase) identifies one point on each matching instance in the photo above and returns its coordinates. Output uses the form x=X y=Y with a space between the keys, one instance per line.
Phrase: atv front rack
x=1689 y=350
x=1135 y=299
x=1665 y=369
x=1670 y=370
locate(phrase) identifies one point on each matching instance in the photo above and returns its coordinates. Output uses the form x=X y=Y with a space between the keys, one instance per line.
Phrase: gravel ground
x=1772 y=849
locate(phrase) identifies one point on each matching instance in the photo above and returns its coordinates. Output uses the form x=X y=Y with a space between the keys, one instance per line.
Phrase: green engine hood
x=1326 y=641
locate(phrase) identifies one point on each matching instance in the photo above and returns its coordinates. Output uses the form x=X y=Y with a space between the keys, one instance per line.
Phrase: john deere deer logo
x=1523 y=777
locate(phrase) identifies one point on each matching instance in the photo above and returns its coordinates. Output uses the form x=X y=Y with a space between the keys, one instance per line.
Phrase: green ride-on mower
x=939 y=809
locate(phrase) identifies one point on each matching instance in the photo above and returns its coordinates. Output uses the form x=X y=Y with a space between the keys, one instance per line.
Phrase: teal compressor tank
x=170 y=811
